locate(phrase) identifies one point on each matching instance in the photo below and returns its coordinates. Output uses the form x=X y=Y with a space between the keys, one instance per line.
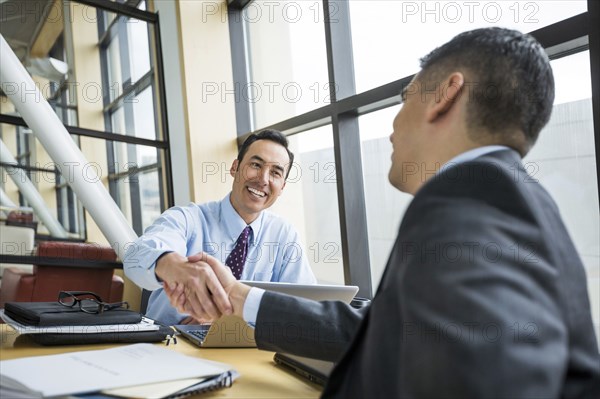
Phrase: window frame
x=124 y=9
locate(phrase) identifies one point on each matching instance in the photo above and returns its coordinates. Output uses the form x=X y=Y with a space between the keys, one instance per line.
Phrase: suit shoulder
x=484 y=185
x=476 y=177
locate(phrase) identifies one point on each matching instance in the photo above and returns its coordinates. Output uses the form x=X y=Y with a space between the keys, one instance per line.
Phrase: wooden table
x=260 y=376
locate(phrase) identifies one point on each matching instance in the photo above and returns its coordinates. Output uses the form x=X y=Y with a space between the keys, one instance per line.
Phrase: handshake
x=201 y=286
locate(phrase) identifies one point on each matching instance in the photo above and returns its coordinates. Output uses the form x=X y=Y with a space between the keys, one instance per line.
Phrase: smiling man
x=255 y=244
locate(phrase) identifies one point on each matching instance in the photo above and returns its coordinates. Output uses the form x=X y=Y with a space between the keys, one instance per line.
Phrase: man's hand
x=192 y=286
x=237 y=292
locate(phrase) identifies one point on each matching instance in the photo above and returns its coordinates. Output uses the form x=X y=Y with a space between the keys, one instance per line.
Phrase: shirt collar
x=472 y=154
x=233 y=222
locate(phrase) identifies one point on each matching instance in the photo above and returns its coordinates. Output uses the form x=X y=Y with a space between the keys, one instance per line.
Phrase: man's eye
x=255 y=164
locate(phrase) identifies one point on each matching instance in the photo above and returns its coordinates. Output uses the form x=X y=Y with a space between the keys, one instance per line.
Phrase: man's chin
x=399 y=182
x=256 y=206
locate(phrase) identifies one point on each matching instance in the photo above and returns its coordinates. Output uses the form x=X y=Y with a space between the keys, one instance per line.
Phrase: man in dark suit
x=484 y=294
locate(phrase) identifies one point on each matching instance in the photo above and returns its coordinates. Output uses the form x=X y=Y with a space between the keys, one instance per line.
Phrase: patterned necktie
x=237 y=257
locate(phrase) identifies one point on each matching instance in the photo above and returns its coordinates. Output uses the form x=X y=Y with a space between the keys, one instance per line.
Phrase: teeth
x=254 y=191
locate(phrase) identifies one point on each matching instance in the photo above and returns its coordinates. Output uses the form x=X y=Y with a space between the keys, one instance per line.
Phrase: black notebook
x=48 y=314
x=50 y=323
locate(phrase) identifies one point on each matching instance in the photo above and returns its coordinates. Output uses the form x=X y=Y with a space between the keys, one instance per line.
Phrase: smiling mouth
x=257 y=193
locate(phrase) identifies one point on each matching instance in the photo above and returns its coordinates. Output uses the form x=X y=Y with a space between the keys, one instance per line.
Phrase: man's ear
x=234 y=167
x=447 y=95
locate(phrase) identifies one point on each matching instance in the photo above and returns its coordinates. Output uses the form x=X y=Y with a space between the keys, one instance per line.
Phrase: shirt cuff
x=250 y=311
x=160 y=281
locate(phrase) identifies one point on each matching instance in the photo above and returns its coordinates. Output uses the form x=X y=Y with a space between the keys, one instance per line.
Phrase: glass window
x=288 y=60
x=139 y=54
x=143 y=115
x=41 y=170
x=118 y=121
x=389 y=37
x=146 y=155
x=149 y=197
x=10 y=137
x=70 y=210
x=311 y=192
x=564 y=161
x=384 y=204
x=136 y=116
x=130 y=156
x=124 y=197
x=115 y=81
x=135 y=181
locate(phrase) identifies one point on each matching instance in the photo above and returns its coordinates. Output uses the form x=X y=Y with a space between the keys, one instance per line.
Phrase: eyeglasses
x=88 y=302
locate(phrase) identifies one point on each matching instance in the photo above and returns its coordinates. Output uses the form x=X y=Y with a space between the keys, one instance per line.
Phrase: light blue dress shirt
x=274 y=249
x=252 y=303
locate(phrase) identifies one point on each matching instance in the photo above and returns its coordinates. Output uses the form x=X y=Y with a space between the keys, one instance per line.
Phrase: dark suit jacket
x=483 y=295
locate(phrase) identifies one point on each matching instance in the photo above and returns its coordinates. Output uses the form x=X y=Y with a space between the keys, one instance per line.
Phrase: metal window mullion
x=71 y=210
x=60 y=214
x=135 y=170
x=132 y=89
x=238 y=39
x=167 y=199
x=123 y=38
x=134 y=184
x=121 y=9
x=110 y=32
x=133 y=3
x=346 y=139
x=80 y=131
x=238 y=4
x=27 y=167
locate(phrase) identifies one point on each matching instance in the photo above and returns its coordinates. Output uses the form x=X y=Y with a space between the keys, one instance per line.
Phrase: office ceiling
x=21 y=21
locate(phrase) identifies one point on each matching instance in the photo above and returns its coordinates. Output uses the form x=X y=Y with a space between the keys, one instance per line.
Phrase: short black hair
x=268 y=134
x=509 y=81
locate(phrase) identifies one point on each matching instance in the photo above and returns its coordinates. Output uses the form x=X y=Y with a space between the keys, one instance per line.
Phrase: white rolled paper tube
x=5 y=199
x=49 y=130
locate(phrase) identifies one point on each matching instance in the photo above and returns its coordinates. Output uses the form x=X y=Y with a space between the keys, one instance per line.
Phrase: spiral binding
x=224 y=380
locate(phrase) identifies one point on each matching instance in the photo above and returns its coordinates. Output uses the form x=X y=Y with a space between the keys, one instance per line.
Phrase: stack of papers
x=148 y=371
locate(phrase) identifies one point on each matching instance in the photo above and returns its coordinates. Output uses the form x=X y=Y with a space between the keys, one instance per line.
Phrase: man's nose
x=263 y=176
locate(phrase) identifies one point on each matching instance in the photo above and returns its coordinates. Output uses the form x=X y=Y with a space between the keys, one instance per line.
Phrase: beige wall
x=211 y=121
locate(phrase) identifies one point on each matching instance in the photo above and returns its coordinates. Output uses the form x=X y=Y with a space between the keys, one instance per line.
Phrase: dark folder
x=53 y=314
x=50 y=314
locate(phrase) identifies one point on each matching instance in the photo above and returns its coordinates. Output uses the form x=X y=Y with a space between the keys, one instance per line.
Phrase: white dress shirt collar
x=472 y=154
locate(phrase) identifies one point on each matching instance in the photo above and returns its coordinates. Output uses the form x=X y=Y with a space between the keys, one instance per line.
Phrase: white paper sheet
x=93 y=371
